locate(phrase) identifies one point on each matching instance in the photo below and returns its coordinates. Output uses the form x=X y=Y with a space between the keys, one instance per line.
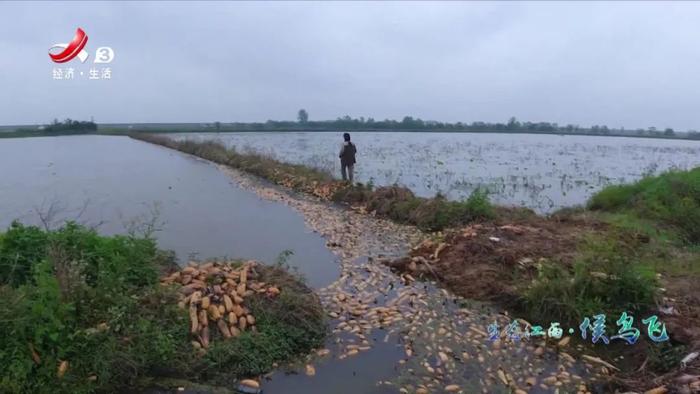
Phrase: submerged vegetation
x=83 y=312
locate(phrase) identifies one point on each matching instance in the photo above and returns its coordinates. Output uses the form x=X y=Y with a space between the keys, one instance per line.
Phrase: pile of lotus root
x=215 y=294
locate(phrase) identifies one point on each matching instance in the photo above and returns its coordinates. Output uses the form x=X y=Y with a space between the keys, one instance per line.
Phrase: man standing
x=347 y=157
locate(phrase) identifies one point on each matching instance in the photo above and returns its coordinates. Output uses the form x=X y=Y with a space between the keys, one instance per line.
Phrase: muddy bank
x=434 y=339
x=485 y=261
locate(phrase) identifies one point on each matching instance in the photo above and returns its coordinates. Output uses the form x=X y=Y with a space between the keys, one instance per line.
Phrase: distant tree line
x=409 y=123
x=66 y=127
x=70 y=125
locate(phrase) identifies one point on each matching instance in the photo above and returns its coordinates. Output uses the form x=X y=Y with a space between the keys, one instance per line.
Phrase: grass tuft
x=606 y=277
x=672 y=198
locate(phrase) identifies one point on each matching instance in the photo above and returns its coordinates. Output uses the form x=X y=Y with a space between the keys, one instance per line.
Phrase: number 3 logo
x=104 y=55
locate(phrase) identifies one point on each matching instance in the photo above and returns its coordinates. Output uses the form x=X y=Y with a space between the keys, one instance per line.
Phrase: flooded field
x=115 y=183
x=542 y=172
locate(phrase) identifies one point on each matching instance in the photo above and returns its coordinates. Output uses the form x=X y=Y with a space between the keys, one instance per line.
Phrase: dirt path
x=444 y=339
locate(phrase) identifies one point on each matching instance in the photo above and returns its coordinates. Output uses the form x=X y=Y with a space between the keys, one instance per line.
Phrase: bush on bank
x=396 y=203
x=83 y=312
x=672 y=198
x=652 y=225
x=615 y=269
x=429 y=214
x=606 y=276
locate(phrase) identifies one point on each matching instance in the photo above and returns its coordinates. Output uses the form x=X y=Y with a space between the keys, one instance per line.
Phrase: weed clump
x=672 y=198
x=605 y=277
x=429 y=214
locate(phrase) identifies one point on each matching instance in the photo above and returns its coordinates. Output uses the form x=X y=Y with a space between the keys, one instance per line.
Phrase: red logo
x=72 y=49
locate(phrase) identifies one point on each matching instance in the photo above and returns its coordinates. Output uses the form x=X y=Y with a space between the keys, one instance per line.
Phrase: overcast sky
x=621 y=64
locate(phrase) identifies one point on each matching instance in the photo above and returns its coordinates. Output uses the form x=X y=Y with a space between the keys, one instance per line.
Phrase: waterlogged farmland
x=542 y=172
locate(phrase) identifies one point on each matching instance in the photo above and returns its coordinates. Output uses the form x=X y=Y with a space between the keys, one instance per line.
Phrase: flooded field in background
x=542 y=172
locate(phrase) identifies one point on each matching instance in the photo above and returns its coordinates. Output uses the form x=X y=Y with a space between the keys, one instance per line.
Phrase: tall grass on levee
x=615 y=270
x=606 y=277
x=672 y=198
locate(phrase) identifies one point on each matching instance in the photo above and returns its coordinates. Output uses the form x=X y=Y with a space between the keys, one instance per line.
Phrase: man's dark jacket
x=347 y=154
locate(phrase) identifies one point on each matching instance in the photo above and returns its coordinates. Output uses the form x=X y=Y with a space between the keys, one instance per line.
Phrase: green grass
x=608 y=276
x=671 y=199
x=428 y=214
x=653 y=226
x=21 y=133
x=73 y=295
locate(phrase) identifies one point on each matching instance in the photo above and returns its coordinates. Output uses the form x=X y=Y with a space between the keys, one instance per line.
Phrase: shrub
x=20 y=247
x=478 y=206
x=604 y=279
x=353 y=194
x=438 y=213
x=384 y=200
x=672 y=198
x=105 y=262
x=73 y=280
x=613 y=197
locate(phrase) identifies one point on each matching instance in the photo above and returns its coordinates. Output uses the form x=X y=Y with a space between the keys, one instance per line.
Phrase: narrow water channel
x=114 y=182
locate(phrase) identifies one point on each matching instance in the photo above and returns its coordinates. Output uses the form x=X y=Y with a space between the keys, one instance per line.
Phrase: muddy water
x=542 y=172
x=116 y=182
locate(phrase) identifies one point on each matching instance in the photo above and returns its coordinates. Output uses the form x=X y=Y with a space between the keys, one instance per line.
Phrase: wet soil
x=485 y=261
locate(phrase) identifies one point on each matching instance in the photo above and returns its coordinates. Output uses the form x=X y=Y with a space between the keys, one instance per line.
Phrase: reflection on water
x=111 y=181
x=357 y=374
x=543 y=172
